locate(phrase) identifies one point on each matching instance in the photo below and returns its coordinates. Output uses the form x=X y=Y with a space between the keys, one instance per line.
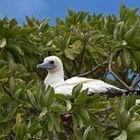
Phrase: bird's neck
x=53 y=79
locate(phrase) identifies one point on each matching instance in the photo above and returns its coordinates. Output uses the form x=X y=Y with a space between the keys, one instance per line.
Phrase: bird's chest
x=53 y=81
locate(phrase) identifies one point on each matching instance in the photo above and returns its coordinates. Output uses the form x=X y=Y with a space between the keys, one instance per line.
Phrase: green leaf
x=89 y=133
x=57 y=108
x=118 y=32
x=98 y=106
x=2 y=42
x=122 y=136
x=13 y=22
x=27 y=30
x=49 y=43
x=68 y=53
x=43 y=24
x=17 y=49
x=85 y=116
x=134 y=128
x=99 y=51
x=34 y=128
x=2 y=63
x=68 y=105
x=5 y=100
x=77 y=134
x=76 y=90
x=131 y=33
x=78 y=120
x=34 y=38
x=112 y=133
x=19 y=128
x=124 y=119
x=82 y=97
x=50 y=122
x=31 y=98
x=12 y=85
x=48 y=97
x=127 y=57
x=57 y=125
x=135 y=137
x=65 y=99
x=136 y=42
x=43 y=112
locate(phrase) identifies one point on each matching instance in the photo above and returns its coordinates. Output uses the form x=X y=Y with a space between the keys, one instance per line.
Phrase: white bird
x=55 y=79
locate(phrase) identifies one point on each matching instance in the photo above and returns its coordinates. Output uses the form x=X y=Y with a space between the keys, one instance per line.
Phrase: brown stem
x=68 y=73
x=113 y=73
x=82 y=56
x=93 y=70
x=90 y=72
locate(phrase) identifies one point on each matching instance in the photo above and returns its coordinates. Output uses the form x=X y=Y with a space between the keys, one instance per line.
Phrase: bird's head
x=52 y=64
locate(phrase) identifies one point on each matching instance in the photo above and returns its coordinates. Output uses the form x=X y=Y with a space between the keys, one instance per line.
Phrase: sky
x=52 y=9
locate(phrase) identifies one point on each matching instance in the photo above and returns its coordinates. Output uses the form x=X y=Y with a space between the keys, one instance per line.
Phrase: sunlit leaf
x=122 y=136
x=2 y=42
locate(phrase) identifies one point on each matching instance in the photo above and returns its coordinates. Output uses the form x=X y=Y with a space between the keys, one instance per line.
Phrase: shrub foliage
x=89 y=45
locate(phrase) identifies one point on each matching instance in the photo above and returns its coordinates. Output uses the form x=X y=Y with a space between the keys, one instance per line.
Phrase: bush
x=109 y=44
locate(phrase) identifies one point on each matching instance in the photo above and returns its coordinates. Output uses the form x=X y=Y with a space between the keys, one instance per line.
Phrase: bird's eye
x=51 y=62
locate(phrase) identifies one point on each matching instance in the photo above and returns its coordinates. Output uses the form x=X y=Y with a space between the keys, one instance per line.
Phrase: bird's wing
x=98 y=86
x=94 y=86
x=67 y=86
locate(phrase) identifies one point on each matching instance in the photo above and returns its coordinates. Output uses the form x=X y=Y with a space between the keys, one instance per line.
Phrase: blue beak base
x=45 y=66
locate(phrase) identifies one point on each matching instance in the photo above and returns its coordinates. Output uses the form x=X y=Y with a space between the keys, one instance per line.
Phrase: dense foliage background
x=89 y=45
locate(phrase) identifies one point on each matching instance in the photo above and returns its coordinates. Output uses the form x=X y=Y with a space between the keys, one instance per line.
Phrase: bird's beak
x=45 y=65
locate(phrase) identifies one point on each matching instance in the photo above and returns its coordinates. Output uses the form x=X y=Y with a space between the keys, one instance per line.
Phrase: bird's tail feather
x=133 y=91
x=114 y=92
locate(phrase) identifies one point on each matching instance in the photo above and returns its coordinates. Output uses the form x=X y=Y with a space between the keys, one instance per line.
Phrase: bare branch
x=90 y=72
x=113 y=73
x=82 y=56
x=93 y=70
x=68 y=74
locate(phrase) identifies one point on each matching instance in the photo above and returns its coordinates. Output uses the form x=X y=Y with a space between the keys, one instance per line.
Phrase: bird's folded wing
x=94 y=86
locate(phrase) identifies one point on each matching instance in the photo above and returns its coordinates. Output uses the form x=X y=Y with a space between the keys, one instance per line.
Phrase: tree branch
x=68 y=74
x=82 y=56
x=90 y=72
x=113 y=73
x=93 y=70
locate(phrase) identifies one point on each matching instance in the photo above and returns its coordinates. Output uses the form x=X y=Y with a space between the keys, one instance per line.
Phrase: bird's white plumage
x=93 y=85
x=55 y=78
